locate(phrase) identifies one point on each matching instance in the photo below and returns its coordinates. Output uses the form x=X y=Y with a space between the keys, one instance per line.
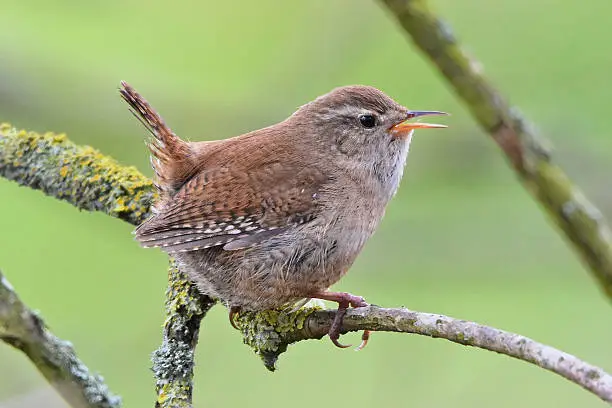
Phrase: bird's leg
x=233 y=311
x=345 y=300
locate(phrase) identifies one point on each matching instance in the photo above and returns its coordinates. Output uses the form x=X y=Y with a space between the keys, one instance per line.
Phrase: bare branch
x=24 y=329
x=581 y=222
x=269 y=333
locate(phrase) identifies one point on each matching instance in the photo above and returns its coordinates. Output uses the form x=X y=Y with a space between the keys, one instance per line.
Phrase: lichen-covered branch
x=56 y=359
x=59 y=168
x=92 y=181
x=582 y=223
x=79 y=175
x=269 y=334
x=173 y=362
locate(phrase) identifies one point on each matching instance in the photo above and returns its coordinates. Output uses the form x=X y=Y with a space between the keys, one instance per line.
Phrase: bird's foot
x=233 y=311
x=345 y=300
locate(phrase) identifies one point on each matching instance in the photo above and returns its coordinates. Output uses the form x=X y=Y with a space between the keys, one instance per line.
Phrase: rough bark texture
x=79 y=175
x=91 y=181
x=56 y=359
x=270 y=333
x=173 y=361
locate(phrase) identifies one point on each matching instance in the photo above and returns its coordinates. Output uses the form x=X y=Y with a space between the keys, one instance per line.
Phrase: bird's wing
x=234 y=209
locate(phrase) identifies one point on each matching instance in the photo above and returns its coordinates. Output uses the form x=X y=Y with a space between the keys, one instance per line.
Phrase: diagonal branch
x=79 y=175
x=91 y=181
x=24 y=329
x=269 y=334
x=56 y=166
x=580 y=221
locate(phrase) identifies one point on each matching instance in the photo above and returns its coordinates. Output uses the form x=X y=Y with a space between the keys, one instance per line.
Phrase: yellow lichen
x=5 y=127
x=60 y=138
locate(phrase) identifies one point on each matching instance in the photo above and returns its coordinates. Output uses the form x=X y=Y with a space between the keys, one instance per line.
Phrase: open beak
x=404 y=128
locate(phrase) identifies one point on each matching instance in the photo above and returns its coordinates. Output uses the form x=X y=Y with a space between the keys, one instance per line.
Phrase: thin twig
x=269 y=333
x=580 y=221
x=56 y=359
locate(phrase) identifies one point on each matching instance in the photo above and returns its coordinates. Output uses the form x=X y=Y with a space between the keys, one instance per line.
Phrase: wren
x=274 y=217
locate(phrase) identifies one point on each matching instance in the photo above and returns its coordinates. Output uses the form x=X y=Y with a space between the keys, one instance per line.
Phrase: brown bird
x=276 y=216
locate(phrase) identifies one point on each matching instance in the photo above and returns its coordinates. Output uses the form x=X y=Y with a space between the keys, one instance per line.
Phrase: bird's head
x=364 y=129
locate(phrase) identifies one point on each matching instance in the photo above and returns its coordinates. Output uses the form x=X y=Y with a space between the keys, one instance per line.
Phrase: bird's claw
x=234 y=310
x=345 y=300
x=365 y=337
x=337 y=343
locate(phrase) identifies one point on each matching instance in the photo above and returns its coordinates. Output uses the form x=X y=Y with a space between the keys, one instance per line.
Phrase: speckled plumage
x=279 y=214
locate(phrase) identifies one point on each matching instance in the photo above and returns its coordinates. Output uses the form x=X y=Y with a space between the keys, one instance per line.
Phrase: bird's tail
x=169 y=153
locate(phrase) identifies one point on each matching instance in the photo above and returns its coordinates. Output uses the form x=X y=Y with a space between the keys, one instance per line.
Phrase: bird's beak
x=404 y=128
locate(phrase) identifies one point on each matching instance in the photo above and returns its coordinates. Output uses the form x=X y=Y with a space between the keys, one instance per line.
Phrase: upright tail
x=170 y=155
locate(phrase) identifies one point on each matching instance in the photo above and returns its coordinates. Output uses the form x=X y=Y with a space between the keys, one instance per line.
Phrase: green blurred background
x=461 y=237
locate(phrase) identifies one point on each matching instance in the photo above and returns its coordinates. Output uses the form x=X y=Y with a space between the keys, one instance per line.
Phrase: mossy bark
x=174 y=360
x=92 y=181
x=270 y=333
x=79 y=175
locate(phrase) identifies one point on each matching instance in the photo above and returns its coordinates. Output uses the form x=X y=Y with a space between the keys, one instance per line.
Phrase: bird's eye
x=367 y=120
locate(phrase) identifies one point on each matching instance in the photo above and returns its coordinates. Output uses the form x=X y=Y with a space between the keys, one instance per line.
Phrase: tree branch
x=79 y=175
x=580 y=221
x=269 y=333
x=56 y=359
x=173 y=361
x=91 y=181
x=124 y=193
